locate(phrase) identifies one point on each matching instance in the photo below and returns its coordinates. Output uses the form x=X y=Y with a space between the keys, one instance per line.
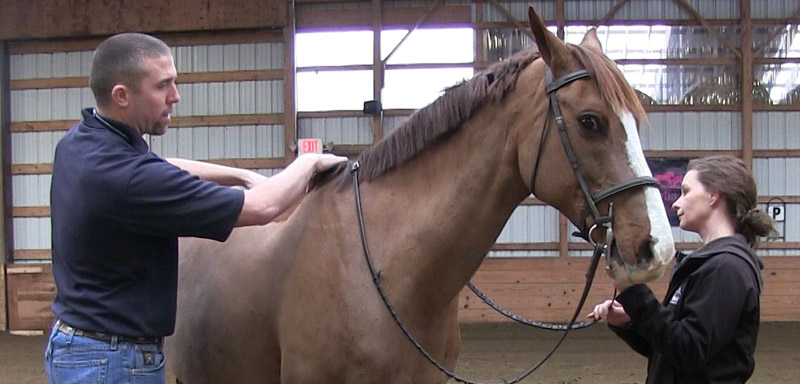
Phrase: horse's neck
x=442 y=211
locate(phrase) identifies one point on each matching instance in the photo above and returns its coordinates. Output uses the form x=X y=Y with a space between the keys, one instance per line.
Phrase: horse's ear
x=591 y=40
x=553 y=50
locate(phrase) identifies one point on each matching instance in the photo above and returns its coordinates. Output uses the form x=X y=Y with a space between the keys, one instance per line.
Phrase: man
x=117 y=211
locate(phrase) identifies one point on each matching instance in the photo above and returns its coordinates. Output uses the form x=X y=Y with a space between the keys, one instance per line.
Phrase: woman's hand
x=612 y=312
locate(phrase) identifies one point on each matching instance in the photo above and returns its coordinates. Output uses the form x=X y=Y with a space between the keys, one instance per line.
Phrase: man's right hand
x=322 y=161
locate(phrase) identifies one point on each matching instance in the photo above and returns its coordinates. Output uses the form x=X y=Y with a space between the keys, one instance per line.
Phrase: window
x=322 y=84
x=334 y=69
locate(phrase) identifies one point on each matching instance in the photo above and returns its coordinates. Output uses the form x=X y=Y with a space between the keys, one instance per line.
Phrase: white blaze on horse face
x=660 y=230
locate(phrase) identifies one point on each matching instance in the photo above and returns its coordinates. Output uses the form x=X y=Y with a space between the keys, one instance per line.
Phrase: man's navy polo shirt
x=117 y=211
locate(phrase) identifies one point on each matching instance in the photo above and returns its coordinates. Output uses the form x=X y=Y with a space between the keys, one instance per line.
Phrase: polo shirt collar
x=93 y=119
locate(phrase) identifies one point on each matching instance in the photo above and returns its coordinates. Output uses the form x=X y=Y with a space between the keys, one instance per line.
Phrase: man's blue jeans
x=71 y=359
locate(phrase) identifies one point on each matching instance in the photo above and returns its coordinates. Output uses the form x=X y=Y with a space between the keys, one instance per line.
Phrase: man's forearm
x=219 y=174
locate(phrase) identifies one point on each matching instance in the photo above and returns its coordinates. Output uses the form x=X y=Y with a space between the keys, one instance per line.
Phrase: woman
x=705 y=330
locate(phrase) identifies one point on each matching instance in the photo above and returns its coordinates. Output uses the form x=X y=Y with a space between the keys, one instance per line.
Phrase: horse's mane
x=445 y=115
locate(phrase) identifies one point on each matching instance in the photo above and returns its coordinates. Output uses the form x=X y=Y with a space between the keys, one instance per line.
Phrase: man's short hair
x=118 y=60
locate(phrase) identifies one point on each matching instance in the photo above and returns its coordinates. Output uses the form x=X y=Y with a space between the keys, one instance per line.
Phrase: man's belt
x=68 y=329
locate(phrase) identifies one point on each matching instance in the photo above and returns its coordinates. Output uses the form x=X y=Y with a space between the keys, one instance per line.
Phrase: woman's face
x=694 y=204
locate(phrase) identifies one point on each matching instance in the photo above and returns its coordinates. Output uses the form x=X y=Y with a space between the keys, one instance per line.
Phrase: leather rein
x=592 y=199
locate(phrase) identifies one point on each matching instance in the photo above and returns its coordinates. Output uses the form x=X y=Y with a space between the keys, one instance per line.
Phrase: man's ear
x=120 y=95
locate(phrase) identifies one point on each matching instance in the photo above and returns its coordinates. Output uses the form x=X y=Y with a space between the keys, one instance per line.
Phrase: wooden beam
x=690 y=108
x=379 y=64
x=783 y=199
x=479 y=42
x=31 y=169
x=6 y=185
x=690 y=153
x=747 y=84
x=563 y=236
x=560 y=19
x=289 y=91
x=220 y=120
x=266 y=163
x=42 y=126
x=30 y=211
x=32 y=254
x=710 y=28
x=3 y=325
x=703 y=61
x=333 y=19
x=183 y=78
x=776 y=153
x=83 y=43
x=551 y=246
x=45 y=19
x=261 y=163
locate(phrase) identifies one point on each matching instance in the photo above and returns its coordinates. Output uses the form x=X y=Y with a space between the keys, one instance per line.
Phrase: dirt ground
x=493 y=352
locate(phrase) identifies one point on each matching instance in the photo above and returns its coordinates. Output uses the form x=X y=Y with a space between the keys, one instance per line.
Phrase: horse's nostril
x=645 y=252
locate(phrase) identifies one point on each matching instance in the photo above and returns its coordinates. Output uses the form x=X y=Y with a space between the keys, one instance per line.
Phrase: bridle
x=600 y=222
x=592 y=199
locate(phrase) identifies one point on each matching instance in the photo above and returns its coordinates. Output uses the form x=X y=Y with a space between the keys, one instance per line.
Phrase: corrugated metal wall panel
x=34 y=147
x=49 y=104
x=777 y=176
x=31 y=233
x=531 y=224
x=228 y=142
x=339 y=130
x=188 y=59
x=773 y=9
x=650 y=9
x=692 y=131
x=31 y=190
x=545 y=9
x=776 y=130
x=230 y=98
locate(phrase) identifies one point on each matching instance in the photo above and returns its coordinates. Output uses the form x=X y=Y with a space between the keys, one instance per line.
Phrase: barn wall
x=235 y=85
x=80 y=18
x=231 y=112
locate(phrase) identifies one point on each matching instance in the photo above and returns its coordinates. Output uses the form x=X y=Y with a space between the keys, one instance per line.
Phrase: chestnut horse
x=294 y=302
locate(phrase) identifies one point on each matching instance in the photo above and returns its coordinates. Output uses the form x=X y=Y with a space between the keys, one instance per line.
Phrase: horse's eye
x=591 y=124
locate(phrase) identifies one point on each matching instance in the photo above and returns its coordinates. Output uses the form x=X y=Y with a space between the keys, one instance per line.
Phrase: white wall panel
x=650 y=9
x=32 y=233
x=390 y=123
x=200 y=58
x=545 y=9
x=531 y=224
x=773 y=9
x=776 y=130
x=34 y=147
x=228 y=142
x=31 y=190
x=777 y=176
x=49 y=104
x=692 y=131
x=339 y=130
x=230 y=98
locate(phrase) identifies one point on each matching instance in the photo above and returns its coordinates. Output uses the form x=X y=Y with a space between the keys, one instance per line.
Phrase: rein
x=600 y=222
x=599 y=249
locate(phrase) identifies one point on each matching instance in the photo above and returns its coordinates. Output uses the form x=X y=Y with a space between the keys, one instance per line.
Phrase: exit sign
x=309 y=146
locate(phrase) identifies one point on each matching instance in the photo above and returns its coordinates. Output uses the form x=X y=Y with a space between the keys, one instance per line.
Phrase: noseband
x=592 y=199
